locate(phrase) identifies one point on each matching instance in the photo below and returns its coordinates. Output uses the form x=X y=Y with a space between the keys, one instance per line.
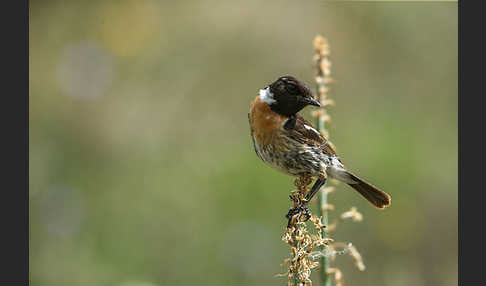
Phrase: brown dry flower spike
x=311 y=250
x=338 y=276
x=301 y=242
x=353 y=214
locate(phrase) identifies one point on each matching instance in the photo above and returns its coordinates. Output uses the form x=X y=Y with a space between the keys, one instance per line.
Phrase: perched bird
x=287 y=142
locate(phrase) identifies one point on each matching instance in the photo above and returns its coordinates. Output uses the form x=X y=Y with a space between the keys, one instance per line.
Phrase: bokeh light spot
x=127 y=26
x=85 y=70
x=61 y=211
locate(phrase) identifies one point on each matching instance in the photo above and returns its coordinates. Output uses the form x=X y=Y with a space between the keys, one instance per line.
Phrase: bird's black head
x=287 y=96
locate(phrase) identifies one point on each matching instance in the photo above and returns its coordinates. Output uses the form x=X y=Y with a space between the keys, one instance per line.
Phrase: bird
x=287 y=142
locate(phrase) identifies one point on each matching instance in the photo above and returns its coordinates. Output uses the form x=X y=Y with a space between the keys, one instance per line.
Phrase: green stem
x=322 y=211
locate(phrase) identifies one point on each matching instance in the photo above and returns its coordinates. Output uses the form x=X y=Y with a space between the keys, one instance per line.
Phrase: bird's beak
x=311 y=101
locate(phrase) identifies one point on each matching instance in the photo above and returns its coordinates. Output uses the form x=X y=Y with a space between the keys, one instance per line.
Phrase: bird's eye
x=292 y=88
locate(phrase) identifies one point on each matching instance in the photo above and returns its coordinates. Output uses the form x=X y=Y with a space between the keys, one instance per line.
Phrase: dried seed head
x=327 y=207
x=338 y=275
x=332 y=227
x=326 y=66
x=317 y=113
x=358 y=261
x=321 y=45
x=326 y=102
x=301 y=242
x=353 y=214
x=329 y=190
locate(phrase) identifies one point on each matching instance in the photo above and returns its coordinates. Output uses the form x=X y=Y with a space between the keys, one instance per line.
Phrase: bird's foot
x=300 y=211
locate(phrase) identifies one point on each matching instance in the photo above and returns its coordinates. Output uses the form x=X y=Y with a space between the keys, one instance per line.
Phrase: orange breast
x=265 y=123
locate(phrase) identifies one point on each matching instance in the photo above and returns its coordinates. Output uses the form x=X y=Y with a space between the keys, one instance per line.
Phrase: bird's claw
x=300 y=211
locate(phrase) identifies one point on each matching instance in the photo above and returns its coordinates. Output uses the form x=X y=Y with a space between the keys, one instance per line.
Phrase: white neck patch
x=267 y=96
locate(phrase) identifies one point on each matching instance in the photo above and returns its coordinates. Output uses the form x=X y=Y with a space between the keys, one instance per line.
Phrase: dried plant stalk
x=309 y=251
x=301 y=242
x=322 y=67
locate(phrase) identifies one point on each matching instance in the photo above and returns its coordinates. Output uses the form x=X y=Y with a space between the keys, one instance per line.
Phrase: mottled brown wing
x=297 y=130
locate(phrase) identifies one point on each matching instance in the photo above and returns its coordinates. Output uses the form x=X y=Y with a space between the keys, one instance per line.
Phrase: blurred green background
x=142 y=171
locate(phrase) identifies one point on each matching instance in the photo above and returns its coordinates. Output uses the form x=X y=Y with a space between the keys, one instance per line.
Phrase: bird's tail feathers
x=375 y=196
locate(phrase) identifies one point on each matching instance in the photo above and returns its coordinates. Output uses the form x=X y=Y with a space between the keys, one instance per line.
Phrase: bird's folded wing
x=303 y=132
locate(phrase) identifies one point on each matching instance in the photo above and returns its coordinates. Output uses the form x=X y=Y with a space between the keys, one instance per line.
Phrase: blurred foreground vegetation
x=142 y=171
